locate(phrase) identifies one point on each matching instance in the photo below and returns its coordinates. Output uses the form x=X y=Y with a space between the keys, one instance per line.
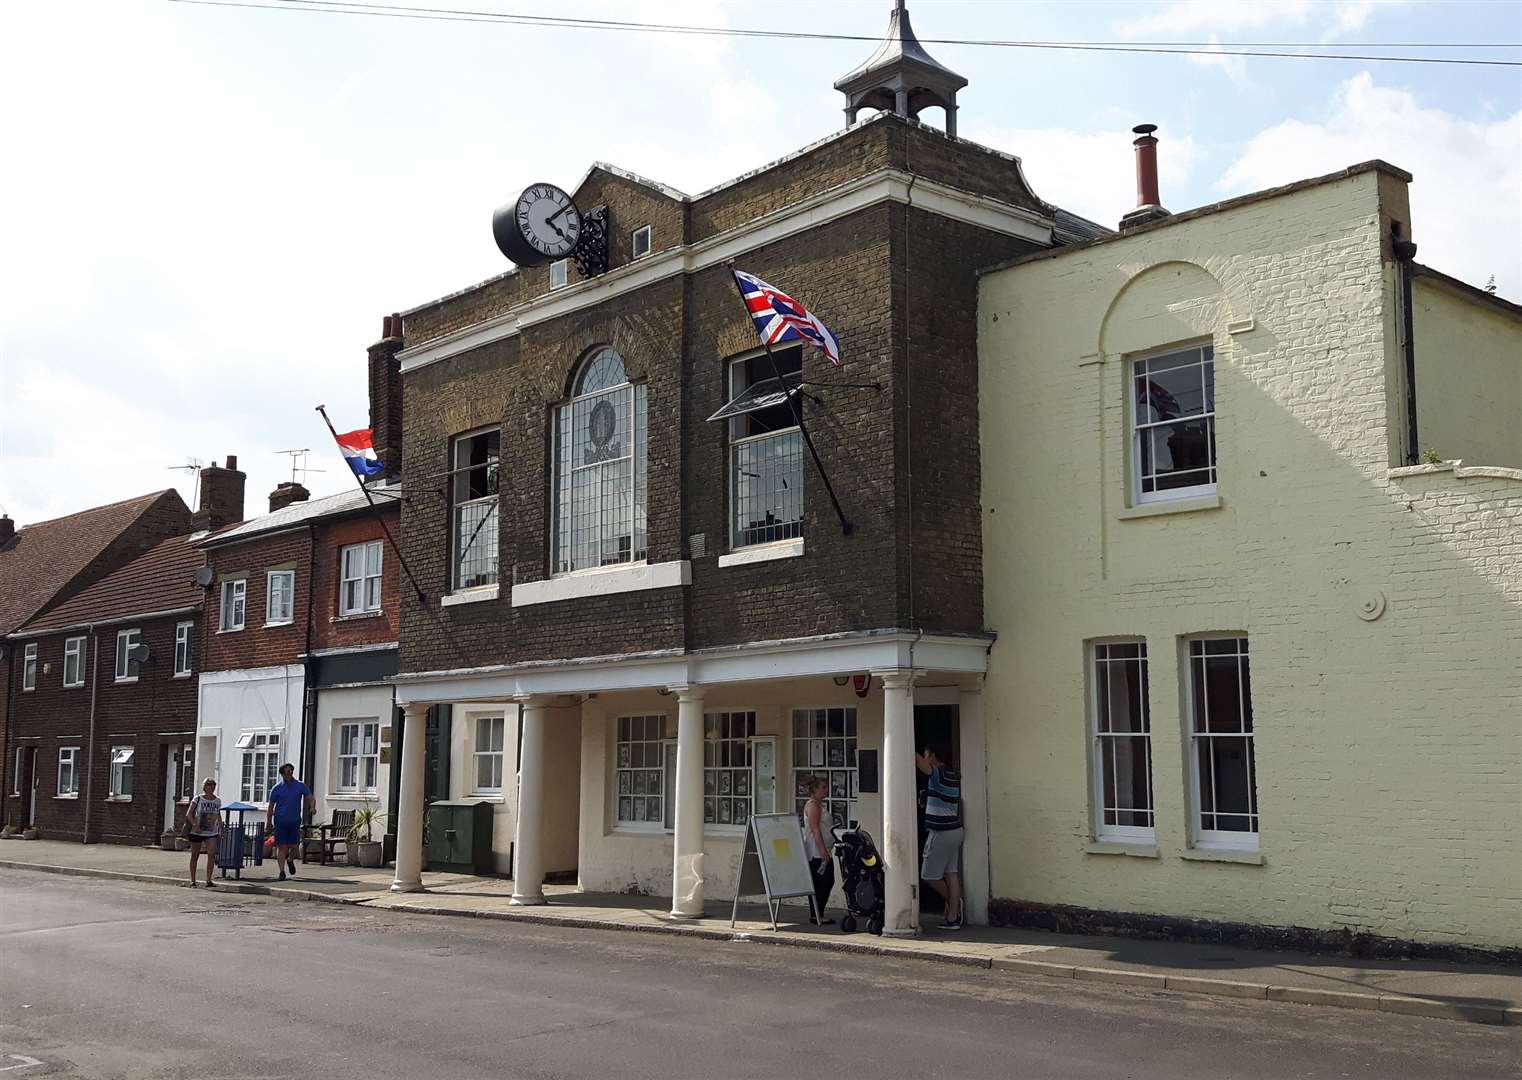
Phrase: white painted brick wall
x=1389 y=753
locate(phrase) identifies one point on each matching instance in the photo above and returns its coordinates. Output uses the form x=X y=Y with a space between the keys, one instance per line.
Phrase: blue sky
x=208 y=210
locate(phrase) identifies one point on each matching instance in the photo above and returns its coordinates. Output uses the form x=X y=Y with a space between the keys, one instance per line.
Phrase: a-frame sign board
x=773 y=863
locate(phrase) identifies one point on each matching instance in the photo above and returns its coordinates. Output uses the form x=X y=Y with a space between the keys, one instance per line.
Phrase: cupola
x=901 y=77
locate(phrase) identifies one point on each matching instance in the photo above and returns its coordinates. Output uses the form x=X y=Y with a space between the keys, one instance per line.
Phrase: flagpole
x=846 y=528
x=376 y=511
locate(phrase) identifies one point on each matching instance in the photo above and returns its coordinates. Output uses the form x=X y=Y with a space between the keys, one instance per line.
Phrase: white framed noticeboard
x=773 y=863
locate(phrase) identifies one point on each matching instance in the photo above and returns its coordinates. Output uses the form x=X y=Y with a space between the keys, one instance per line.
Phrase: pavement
x=128 y=980
x=1416 y=988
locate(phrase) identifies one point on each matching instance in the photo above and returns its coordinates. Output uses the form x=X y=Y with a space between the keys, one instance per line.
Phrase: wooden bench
x=324 y=841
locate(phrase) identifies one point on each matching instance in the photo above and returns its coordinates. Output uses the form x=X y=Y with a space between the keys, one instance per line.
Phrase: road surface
x=107 y=979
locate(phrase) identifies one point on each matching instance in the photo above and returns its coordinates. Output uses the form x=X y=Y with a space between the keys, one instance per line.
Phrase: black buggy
x=861 y=879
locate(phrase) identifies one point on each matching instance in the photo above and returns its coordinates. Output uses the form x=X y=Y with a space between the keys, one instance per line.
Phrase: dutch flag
x=359 y=451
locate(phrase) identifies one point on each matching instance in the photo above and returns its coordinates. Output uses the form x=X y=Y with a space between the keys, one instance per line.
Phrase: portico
x=676 y=751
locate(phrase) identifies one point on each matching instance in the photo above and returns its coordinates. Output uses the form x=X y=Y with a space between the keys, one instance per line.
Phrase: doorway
x=26 y=785
x=934 y=725
x=179 y=780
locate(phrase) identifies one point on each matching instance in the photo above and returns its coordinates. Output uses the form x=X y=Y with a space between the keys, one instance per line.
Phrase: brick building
x=655 y=616
x=111 y=710
x=1266 y=682
x=42 y=566
x=301 y=637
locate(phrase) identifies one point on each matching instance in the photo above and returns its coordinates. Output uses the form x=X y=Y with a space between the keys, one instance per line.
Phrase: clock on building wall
x=544 y=224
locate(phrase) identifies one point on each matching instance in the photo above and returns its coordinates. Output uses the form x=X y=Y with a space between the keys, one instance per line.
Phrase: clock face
x=548 y=220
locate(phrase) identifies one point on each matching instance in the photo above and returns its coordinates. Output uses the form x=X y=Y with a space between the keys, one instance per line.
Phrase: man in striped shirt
x=941 y=866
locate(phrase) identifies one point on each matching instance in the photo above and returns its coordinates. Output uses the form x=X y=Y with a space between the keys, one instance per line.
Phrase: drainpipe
x=90 y=742
x=1405 y=254
x=10 y=732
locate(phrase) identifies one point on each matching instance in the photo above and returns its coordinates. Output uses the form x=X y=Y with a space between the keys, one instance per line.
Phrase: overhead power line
x=1198 y=48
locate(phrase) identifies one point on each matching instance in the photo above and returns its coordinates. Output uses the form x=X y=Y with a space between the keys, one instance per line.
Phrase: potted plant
x=366 y=850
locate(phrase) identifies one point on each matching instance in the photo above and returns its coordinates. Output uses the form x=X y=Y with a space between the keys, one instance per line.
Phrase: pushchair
x=861 y=873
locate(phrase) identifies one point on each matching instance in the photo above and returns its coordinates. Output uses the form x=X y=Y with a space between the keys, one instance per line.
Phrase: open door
x=934 y=725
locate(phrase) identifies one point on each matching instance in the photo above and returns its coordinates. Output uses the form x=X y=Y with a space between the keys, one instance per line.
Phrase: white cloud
x=1467 y=218
x=1091 y=173
x=1207 y=17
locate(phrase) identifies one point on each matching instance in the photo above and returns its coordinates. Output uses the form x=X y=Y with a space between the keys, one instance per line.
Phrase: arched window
x=600 y=468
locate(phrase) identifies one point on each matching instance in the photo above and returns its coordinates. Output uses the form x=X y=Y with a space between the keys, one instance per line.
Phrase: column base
x=685 y=916
x=527 y=901
x=407 y=886
x=888 y=932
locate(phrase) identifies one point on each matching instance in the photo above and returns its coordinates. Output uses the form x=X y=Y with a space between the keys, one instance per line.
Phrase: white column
x=528 y=846
x=973 y=765
x=687 y=855
x=409 y=807
x=900 y=824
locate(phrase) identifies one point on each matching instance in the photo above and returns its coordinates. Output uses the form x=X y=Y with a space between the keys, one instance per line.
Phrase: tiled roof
x=45 y=557
x=298 y=513
x=160 y=579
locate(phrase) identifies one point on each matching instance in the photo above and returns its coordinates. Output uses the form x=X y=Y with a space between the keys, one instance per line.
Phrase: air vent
x=697 y=545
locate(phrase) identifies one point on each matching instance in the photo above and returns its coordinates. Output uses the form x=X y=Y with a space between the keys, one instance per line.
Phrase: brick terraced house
x=43 y=565
x=301 y=635
x=652 y=613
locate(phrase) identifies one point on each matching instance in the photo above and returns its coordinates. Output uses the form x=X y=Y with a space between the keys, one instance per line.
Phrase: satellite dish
x=138 y=654
x=204 y=575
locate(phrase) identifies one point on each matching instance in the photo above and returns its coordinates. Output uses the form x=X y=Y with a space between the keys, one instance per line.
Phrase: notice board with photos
x=773 y=863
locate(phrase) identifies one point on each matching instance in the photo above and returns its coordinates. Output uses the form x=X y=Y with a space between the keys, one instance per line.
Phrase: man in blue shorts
x=288 y=800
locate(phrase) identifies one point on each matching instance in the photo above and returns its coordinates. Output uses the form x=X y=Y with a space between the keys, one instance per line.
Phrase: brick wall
x=126 y=714
x=330 y=630
x=1389 y=772
x=258 y=645
x=897 y=287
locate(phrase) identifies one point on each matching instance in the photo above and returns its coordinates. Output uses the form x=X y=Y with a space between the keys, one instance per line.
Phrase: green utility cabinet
x=459 y=837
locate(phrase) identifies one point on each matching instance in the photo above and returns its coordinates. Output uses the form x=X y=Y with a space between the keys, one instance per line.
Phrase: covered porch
x=677 y=751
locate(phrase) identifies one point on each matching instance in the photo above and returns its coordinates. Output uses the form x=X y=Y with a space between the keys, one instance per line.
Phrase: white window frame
x=122 y=766
x=127 y=670
x=1099 y=733
x=16 y=776
x=566 y=555
x=29 y=667
x=233 y=613
x=634 y=242
x=646 y=737
x=492 y=501
x=1201 y=836
x=184 y=649
x=560 y=274
x=258 y=759
x=809 y=738
x=715 y=742
x=1136 y=425
x=365 y=756
x=479 y=756
x=74 y=649
x=361 y=578
x=287 y=592
x=68 y=756
x=739 y=443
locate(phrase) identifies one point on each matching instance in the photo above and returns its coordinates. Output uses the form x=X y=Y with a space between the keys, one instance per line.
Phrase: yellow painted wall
x=1389 y=752
x=1468 y=377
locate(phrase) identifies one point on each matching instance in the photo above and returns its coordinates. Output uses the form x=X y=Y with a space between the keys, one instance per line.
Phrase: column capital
x=417 y=708
x=898 y=678
x=688 y=692
x=528 y=700
x=974 y=684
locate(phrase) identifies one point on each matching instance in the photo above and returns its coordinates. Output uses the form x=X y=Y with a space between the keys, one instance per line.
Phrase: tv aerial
x=299 y=463
x=193 y=466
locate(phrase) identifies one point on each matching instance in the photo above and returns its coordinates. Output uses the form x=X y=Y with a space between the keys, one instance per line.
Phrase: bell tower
x=901 y=77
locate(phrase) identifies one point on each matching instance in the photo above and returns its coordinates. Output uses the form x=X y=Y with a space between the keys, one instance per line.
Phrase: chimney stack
x=386 y=396
x=286 y=493
x=221 y=496
x=1148 y=205
x=7 y=529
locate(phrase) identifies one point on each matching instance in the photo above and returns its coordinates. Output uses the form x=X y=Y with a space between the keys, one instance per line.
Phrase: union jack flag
x=779 y=317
